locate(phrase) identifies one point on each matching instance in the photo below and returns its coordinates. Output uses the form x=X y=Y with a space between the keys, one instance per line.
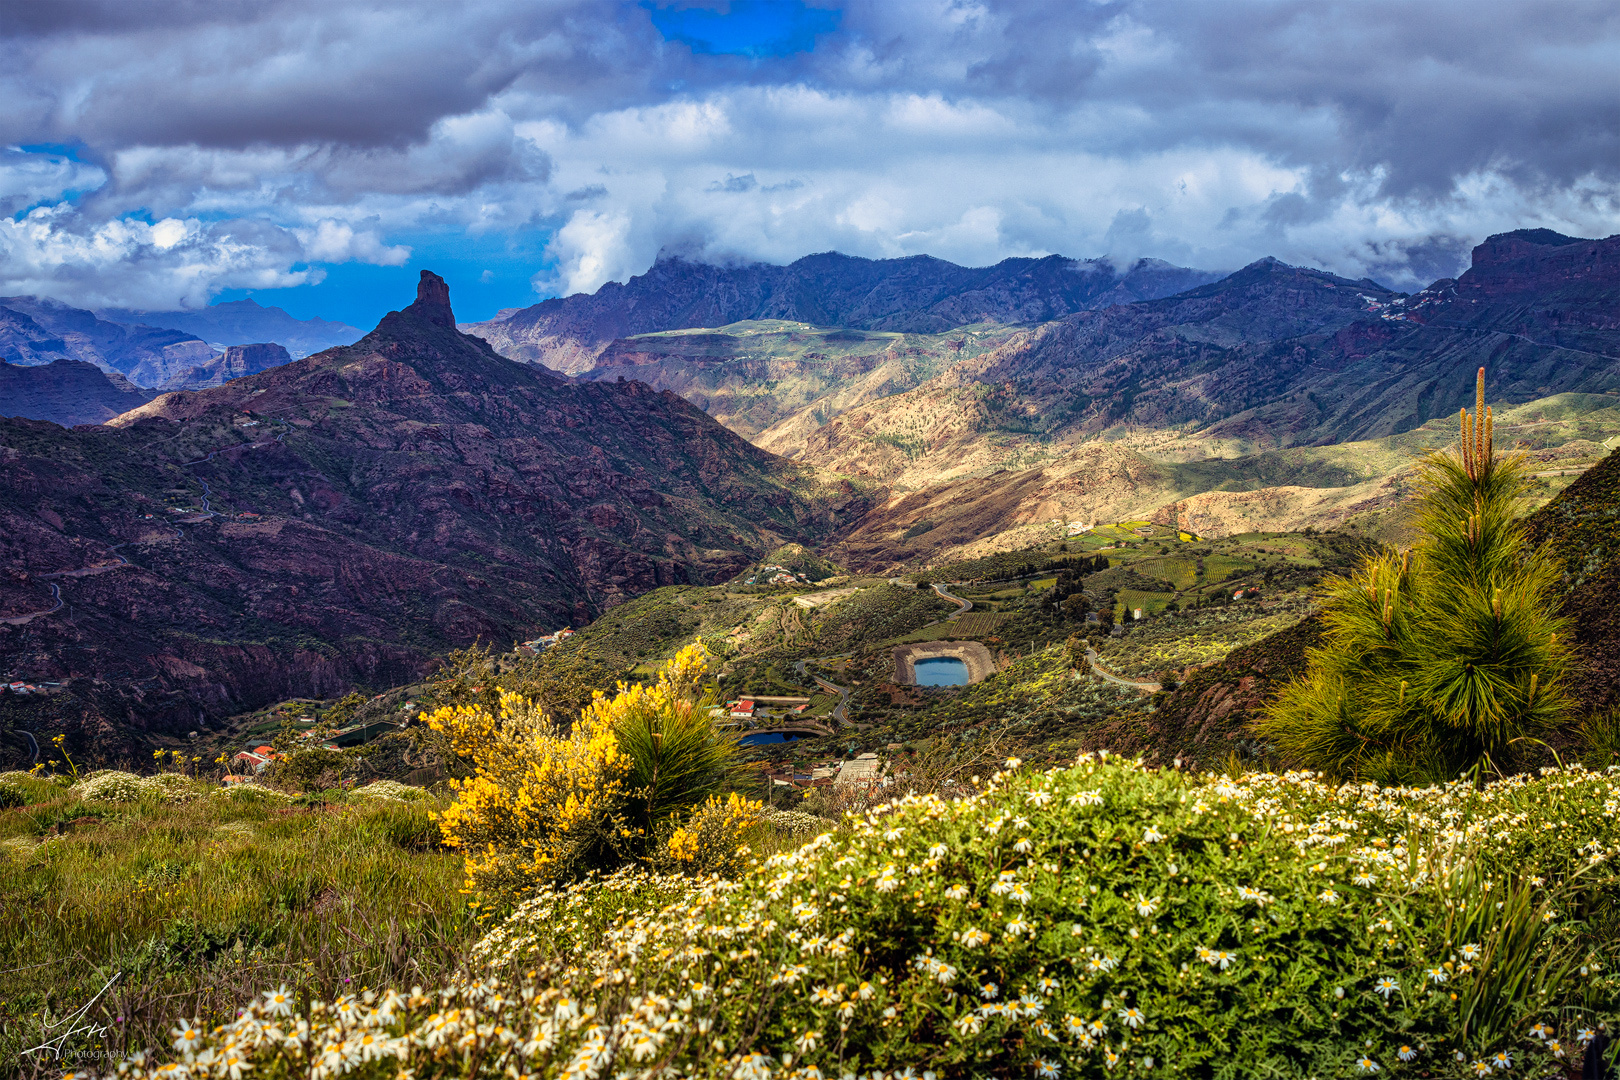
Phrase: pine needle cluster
x=1444 y=658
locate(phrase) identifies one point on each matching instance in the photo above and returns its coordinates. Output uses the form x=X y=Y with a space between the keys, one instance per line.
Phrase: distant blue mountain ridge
x=244 y=322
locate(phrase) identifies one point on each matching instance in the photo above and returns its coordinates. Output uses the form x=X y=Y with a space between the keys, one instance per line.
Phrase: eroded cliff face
x=234 y=363
x=373 y=505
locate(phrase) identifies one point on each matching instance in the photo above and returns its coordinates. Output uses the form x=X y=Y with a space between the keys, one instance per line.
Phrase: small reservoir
x=940 y=671
x=772 y=736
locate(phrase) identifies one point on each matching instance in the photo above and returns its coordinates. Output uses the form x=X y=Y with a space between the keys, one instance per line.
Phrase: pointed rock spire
x=433 y=301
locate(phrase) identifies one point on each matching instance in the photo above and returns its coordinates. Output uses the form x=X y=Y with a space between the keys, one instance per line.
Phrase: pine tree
x=1442 y=659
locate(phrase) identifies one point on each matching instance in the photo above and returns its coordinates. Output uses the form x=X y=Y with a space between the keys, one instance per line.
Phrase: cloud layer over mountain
x=156 y=154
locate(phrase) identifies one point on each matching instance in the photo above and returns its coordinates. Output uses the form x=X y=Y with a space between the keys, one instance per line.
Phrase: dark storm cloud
x=1425 y=92
x=293 y=73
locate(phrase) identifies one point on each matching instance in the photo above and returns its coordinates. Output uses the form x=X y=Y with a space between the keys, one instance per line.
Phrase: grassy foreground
x=1099 y=920
x=189 y=902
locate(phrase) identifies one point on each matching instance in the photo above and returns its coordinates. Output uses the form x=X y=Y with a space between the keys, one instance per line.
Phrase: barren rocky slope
x=349 y=516
x=919 y=294
x=67 y=392
x=775 y=383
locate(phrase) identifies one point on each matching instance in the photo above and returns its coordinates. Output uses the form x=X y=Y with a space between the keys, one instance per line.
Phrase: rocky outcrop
x=67 y=392
x=234 y=363
x=917 y=294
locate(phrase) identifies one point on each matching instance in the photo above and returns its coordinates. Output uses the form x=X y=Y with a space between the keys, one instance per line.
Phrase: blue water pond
x=771 y=736
x=940 y=671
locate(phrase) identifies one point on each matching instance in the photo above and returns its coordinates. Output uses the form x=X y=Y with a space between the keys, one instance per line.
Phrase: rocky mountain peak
x=433 y=301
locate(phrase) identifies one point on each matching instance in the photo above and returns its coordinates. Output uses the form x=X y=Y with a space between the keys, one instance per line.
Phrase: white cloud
x=335 y=242
x=29 y=179
x=593 y=247
x=127 y=262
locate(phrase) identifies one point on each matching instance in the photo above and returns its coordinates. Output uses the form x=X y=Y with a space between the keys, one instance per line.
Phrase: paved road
x=1108 y=676
x=19 y=620
x=967 y=605
x=840 y=713
x=1562 y=472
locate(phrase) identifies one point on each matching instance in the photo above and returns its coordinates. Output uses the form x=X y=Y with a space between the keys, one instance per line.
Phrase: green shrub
x=309 y=770
x=1599 y=740
x=11 y=795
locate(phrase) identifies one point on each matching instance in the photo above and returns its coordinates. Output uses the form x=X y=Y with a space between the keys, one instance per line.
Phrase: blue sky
x=317 y=155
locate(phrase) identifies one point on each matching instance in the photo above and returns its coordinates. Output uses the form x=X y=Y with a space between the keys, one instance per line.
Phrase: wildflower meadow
x=1100 y=920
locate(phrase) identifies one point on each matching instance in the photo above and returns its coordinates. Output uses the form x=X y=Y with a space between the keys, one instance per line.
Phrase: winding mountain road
x=840 y=712
x=966 y=605
x=56 y=594
x=1108 y=676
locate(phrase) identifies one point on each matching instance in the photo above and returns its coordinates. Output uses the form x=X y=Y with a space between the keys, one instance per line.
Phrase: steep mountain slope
x=913 y=295
x=1166 y=366
x=235 y=362
x=775 y=382
x=1270 y=356
x=35 y=331
x=243 y=322
x=349 y=516
x=1582 y=528
x=67 y=392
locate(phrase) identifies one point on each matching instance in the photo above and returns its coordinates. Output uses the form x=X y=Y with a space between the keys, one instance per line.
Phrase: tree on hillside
x=1442 y=659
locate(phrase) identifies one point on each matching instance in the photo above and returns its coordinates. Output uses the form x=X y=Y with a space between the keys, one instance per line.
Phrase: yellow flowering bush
x=546 y=804
x=540 y=804
x=711 y=840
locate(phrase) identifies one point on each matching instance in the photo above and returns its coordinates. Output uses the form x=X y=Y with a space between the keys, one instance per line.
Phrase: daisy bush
x=1101 y=920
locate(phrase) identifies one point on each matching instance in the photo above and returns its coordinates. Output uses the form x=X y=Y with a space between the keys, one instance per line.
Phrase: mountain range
x=167 y=350
x=1177 y=406
x=244 y=322
x=350 y=516
x=919 y=294
x=38 y=331
x=67 y=392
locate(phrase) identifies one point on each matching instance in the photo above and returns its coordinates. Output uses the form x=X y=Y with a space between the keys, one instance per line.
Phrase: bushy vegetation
x=1199 y=636
x=546 y=804
x=1100 y=920
x=876 y=614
